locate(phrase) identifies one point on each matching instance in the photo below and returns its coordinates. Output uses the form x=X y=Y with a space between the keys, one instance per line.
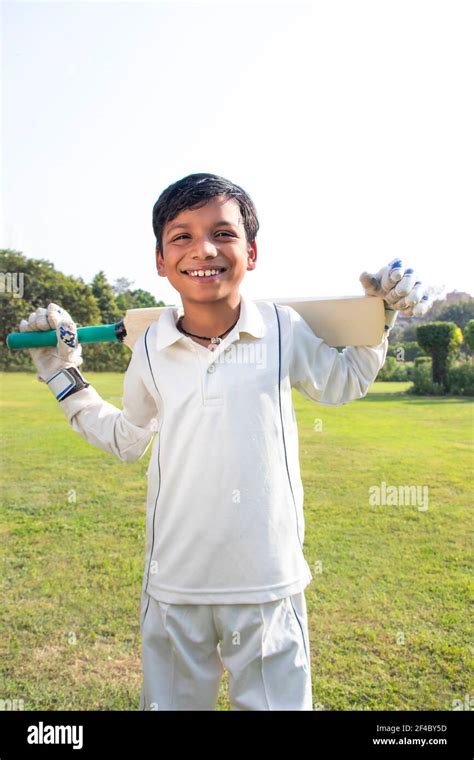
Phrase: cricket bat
x=348 y=321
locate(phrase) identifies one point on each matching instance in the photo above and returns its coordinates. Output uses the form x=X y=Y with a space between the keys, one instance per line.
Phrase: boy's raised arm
x=323 y=374
x=124 y=433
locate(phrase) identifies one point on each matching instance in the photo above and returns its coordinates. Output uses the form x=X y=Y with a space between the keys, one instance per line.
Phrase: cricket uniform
x=224 y=522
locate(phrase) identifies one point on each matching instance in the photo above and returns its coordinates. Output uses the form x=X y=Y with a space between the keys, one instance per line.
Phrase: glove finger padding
x=391 y=274
x=418 y=309
x=404 y=286
x=414 y=296
x=422 y=306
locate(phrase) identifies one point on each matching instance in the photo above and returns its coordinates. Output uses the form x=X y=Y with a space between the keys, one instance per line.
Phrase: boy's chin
x=217 y=295
x=198 y=294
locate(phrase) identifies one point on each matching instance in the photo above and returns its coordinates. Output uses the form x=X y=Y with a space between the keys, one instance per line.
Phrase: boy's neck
x=211 y=319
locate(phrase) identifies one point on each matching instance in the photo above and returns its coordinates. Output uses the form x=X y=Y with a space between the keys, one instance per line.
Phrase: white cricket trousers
x=264 y=648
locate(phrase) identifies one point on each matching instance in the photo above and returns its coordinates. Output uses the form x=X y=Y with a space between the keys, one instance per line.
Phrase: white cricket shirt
x=224 y=522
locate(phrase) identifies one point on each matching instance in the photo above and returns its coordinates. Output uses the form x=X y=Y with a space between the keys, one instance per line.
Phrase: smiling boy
x=225 y=572
x=210 y=301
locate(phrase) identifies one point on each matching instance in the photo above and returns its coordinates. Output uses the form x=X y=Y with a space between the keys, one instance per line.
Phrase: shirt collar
x=250 y=321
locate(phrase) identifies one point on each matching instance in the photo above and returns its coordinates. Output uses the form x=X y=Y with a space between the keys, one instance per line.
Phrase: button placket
x=211 y=386
x=211 y=378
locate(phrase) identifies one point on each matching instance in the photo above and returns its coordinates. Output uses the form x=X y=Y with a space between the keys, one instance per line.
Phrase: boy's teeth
x=204 y=272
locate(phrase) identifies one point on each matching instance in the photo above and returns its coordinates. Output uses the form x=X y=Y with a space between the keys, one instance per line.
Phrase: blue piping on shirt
x=159 y=481
x=282 y=426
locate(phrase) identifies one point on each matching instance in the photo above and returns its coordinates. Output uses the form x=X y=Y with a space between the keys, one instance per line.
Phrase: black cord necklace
x=215 y=339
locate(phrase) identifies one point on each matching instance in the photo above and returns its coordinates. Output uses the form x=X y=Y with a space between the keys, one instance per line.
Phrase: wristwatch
x=65 y=382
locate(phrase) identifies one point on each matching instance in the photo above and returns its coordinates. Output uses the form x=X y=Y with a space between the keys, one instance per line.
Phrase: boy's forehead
x=216 y=209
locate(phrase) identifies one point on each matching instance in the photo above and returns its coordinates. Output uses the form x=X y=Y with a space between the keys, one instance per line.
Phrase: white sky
x=350 y=124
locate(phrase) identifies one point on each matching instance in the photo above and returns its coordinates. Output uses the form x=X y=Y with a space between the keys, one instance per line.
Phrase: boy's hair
x=195 y=191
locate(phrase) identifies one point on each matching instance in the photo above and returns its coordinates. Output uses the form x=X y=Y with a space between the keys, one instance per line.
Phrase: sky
x=350 y=125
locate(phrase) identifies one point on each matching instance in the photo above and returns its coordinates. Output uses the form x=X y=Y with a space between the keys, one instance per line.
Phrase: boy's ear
x=252 y=256
x=160 y=264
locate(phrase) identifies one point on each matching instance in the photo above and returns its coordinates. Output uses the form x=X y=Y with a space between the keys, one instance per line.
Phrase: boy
x=224 y=573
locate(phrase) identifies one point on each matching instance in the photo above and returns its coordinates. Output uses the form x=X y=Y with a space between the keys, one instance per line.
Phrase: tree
x=469 y=334
x=460 y=313
x=104 y=293
x=42 y=284
x=122 y=285
x=441 y=340
x=143 y=299
x=137 y=299
x=105 y=357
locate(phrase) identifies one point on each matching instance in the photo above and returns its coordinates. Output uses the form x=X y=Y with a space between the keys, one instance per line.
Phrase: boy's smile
x=202 y=274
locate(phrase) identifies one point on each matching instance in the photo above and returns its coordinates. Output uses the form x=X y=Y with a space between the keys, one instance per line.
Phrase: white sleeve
x=124 y=433
x=323 y=374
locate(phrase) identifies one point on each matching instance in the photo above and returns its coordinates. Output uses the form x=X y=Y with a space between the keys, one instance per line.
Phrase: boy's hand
x=67 y=352
x=401 y=291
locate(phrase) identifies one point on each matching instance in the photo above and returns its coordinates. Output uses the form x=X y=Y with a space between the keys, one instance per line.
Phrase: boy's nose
x=204 y=251
x=204 y=244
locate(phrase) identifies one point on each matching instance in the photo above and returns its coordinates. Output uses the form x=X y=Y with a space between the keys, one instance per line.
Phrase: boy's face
x=212 y=237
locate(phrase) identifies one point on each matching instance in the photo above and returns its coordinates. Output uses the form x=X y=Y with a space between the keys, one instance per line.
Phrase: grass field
x=388 y=604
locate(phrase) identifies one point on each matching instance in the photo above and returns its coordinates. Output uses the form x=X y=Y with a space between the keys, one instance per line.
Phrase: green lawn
x=388 y=604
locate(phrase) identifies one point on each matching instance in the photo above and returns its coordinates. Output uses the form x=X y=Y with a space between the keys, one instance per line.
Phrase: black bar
x=317 y=734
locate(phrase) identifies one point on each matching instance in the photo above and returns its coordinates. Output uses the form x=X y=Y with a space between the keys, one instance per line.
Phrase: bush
x=405 y=350
x=461 y=380
x=394 y=370
x=423 y=384
x=469 y=335
x=441 y=340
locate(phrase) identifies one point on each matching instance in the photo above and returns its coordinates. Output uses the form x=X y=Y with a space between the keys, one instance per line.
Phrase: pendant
x=214 y=343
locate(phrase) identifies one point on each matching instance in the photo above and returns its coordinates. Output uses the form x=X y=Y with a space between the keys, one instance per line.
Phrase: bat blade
x=347 y=321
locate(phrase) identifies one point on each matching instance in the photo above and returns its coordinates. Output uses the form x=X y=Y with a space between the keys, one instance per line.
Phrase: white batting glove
x=67 y=352
x=401 y=291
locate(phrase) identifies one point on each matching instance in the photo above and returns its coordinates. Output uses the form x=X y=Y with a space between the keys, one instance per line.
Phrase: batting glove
x=401 y=291
x=67 y=352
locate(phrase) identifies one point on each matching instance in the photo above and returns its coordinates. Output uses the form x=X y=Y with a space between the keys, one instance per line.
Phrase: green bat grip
x=94 y=334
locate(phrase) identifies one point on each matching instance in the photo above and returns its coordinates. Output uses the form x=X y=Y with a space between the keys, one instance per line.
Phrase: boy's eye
x=217 y=233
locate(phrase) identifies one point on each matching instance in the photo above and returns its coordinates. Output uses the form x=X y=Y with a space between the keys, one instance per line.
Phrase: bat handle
x=42 y=338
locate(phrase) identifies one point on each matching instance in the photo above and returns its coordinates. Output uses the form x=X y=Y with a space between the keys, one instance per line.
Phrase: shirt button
x=211 y=368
